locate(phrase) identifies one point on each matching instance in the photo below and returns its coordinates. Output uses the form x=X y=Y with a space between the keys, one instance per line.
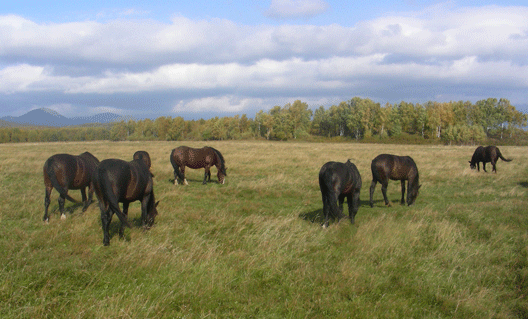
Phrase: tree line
x=359 y=119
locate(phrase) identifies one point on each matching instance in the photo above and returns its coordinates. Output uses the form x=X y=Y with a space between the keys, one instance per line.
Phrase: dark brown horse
x=402 y=168
x=337 y=181
x=117 y=181
x=64 y=172
x=485 y=155
x=205 y=157
x=144 y=156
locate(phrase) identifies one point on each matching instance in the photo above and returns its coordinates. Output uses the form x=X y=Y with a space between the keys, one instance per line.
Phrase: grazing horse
x=117 y=181
x=385 y=167
x=64 y=172
x=485 y=155
x=205 y=157
x=144 y=156
x=337 y=181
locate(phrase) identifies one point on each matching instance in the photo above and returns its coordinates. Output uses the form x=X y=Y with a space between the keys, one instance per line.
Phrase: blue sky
x=215 y=58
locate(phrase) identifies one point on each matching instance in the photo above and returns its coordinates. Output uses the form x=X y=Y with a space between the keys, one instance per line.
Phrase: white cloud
x=216 y=64
x=283 y=9
x=228 y=103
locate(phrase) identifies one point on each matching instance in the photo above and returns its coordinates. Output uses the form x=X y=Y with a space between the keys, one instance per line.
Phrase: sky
x=200 y=59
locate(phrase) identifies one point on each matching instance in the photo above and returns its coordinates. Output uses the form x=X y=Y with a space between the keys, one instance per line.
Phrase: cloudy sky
x=206 y=58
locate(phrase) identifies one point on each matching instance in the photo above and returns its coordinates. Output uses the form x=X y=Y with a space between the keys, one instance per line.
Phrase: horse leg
x=372 y=188
x=326 y=209
x=182 y=170
x=206 y=173
x=46 y=204
x=106 y=218
x=384 y=186
x=122 y=227
x=84 y=199
x=493 y=164
x=403 y=192
x=90 y=197
x=353 y=205
x=341 y=199
x=61 y=206
x=484 y=166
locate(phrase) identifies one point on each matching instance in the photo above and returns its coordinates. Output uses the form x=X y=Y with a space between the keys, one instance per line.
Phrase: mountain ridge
x=48 y=117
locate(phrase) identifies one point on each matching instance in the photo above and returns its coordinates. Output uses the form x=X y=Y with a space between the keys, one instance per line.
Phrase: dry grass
x=249 y=248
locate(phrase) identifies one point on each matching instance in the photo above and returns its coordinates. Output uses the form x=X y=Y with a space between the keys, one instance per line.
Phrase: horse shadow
x=524 y=184
x=317 y=216
x=69 y=209
x=115 y=226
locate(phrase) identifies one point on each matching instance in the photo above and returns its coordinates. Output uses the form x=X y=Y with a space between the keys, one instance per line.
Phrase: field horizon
x=255 y=248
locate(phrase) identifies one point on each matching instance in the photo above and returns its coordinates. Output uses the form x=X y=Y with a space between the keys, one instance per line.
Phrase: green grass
x=254 y=248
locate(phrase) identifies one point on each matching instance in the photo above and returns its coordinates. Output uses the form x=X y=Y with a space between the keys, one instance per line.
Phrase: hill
x=47 y=117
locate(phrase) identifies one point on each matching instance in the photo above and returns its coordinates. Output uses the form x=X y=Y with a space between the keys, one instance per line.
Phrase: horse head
x=151 y=215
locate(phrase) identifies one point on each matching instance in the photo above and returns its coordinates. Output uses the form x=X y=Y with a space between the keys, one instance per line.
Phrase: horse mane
x=222 y=161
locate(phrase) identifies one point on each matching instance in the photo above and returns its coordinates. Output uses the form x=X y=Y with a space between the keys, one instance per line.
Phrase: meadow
x=254 y=247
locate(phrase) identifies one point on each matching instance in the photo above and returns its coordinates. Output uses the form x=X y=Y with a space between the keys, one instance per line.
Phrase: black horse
x=485 y=155
x=337 y=181
x=64 y=172
x=144 y=156
x=117 y=181
x=205 y=157
x=402 y=168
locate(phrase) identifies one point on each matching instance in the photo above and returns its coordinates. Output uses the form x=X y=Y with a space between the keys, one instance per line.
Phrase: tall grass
x=254 y=248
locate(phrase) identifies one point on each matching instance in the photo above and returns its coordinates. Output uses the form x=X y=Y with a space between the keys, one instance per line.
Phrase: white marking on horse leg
x=63 y=216
x=185 y=182
x=46 y=221
x=175 y=181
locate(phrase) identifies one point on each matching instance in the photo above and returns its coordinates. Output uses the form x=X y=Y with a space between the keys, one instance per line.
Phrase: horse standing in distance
x=117 y=181
x=64 y=172
x=485 y=155
x=402 y=168
x=337 y=181
x=195 y=158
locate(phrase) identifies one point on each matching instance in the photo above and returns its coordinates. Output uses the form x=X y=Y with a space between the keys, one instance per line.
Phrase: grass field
x=254 y=248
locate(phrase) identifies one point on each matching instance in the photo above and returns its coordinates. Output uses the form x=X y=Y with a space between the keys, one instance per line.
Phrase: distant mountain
x=47 y=117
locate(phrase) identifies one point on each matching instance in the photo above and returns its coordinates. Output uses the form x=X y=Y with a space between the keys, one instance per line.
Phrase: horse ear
x=419 y=186
x=469 y=162
x=156 y=205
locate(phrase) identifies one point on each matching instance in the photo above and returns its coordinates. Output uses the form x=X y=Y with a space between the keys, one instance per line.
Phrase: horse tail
x=329 y=194
x=176 y=166
x=502 y=157
x=111 y=199
x=55 y=183
x=221 y=159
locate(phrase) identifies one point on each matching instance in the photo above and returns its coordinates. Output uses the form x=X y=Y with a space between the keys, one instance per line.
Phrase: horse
x=64 y=172
x=144 y=156
x=337 y=181
x=486 y=154
x=402 y=168
x=205 y=157
x=117 y=181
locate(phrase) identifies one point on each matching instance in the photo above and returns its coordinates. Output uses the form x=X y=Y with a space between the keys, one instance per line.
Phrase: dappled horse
x=117 y=181
x=64 y=172
x=205 y=157
x=402 y=168
x=485 y=155
x=337 y=181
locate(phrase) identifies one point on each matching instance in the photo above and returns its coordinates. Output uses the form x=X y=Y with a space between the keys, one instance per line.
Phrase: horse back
x=341 y=178
x=70 y=171
x=388 y=166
